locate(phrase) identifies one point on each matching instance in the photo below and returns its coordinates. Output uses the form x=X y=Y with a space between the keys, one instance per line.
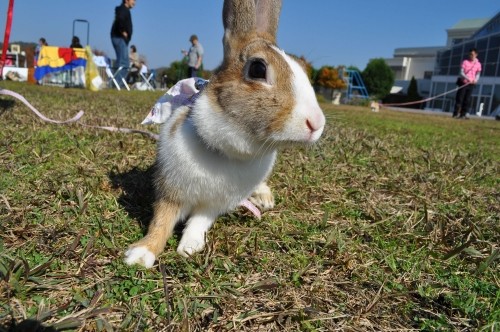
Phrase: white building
x=486 y=94
x=464 y=30
x=437 y=68
x=418 y=62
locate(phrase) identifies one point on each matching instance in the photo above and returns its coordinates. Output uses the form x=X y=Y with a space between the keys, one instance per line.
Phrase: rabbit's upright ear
x=238 y=17
x=267 y=15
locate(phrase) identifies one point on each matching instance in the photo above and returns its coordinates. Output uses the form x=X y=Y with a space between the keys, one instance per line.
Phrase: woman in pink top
x=469 y=74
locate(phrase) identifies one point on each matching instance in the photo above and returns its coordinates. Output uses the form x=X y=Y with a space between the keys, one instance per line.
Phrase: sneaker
x=463 y=117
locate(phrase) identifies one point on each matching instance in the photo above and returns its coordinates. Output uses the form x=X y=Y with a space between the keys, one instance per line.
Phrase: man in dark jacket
x=121 y=34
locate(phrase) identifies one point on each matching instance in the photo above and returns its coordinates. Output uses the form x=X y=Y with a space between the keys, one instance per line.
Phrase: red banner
x=8 y=26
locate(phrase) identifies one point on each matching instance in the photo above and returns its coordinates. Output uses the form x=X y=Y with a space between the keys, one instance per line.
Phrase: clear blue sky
x=326 y=32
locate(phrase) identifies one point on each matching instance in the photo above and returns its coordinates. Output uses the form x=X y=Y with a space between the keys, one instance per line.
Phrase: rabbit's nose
x=309 y=125
x=316 y=120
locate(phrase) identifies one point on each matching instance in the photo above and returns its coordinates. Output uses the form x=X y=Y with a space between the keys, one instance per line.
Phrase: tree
x=406 y=99
x=328 y=77
x=378 y=78
x=412 y=93
x=175 y=72
x=413 y=90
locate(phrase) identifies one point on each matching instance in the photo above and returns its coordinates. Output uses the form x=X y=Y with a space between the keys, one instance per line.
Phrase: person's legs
x=122 y=59
x=133 y=76
x=459 y=98
x=192 y=72
x=466 y=100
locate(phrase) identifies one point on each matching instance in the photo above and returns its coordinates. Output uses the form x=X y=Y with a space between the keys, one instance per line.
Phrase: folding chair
x=112 y=77
x=148 y=79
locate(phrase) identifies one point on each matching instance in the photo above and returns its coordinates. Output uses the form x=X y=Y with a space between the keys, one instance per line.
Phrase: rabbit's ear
x=267 y=15
x=238 y=17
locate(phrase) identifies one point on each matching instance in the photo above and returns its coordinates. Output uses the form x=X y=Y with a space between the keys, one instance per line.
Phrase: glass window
x=454 y=70
x=495 y=41
x=481 y=55
x=457 y=51
x=444 y=64
x=489 y=69
x=469 y=45
x=481 y=45
x=492 y=55
x=490 y=63
x=438 y=104
x=474 y=103
x=486 y=90
x=456 y=60
x=446 y=53
x=439 y=88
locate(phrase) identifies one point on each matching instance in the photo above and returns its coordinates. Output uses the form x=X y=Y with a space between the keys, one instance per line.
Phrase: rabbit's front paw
x=140 y=255
x=262 y=197
x=191 y=243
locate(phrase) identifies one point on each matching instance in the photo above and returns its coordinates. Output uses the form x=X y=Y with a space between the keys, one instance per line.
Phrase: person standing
x=469 y=74
x=195 y=56
x=121 y=34
x=75 y=42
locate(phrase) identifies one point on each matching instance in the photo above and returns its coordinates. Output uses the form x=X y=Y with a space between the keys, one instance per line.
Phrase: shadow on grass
x=137 y=196
x=6 y=105
x=28 y=325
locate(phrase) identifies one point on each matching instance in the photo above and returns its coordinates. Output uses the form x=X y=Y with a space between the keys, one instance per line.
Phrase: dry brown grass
x=390 y=223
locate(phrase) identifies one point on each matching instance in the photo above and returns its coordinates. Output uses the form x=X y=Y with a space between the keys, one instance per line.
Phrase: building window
x=495 y=41
x=490 y=64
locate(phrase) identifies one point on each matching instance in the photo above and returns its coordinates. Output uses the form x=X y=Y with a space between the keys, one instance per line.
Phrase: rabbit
x=221 y=150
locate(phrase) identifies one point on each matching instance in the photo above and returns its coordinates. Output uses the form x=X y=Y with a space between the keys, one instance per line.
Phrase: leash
x=427 y=99
x=124 y=130
x=76 y=118
x=184 y=100
x=39 y=114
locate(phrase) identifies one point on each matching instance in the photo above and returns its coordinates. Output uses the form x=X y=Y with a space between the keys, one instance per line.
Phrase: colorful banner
x=54 y=59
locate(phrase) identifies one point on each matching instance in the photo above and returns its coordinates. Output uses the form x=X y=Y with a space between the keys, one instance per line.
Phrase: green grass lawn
x=391 y=222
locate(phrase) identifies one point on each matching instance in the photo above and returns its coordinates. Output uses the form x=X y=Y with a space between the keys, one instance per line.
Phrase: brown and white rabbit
x=220 y=151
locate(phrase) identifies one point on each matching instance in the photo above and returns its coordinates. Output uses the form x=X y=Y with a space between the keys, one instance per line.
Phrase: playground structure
x=355 y=86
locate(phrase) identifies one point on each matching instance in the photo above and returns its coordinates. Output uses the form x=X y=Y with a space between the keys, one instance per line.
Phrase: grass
x=391 y=222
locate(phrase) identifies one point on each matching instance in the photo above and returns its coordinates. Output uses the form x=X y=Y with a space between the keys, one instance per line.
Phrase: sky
x=326 y=32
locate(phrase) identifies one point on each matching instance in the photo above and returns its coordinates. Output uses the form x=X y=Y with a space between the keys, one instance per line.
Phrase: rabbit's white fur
x=220 y=152
x=218 y=181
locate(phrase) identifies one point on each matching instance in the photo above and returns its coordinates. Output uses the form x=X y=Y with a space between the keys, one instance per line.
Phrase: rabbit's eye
x=257 y=70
